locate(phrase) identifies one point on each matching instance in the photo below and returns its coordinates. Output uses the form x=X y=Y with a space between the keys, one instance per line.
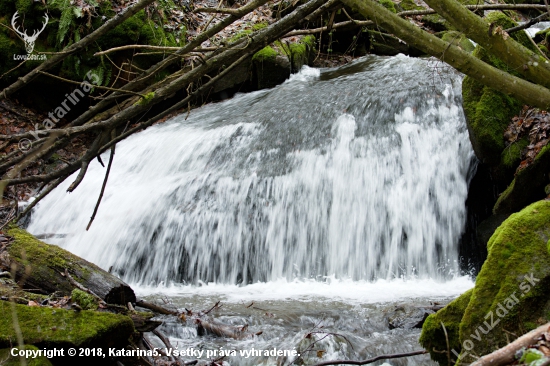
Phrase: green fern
x=65 y=21
x=107 y=72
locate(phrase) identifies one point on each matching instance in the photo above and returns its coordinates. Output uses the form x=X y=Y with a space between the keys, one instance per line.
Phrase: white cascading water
x=356 y=173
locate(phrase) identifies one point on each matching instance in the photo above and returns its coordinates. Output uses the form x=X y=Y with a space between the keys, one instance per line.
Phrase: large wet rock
x=511 y=293
x=528 y=185
x=447 y=320
x=512 y=289
x=273 y=64
x=408 y=317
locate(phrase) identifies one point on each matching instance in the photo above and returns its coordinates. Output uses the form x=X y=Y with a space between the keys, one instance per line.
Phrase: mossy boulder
x=273 y=64
x=433 y=337
x=528 y=185
x=59 y=328
x=488 y=112
x=6 y=358
x=511 y=290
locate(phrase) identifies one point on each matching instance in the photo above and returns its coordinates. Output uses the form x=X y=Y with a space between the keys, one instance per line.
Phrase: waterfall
x=359 y=172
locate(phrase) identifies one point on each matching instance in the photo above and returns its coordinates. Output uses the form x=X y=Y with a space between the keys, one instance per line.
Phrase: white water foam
x=329 y=289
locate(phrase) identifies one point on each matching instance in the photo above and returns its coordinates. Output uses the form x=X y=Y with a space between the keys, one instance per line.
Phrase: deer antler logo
x=29 y=40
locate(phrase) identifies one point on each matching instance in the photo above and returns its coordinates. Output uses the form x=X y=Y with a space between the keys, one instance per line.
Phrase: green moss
x=246 y=32
x=8 y=360
x=518 y=248
x=528 y=184
x=388 y=4
x=49 y=327
x=409 y=5
x=46 y=262
x=85 y=300
x=432 y=337
x=300 y=51
x=500 y=19
x=259 y=26
x=458 y=39
x=511 y=156
x=266 y=53
x=488 y=112
x=26 y=248
x=148 y=97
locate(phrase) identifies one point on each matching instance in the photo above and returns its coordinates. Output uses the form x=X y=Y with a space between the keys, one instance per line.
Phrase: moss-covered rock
x=511 y=290
x=511 y=155
x=60 y=328
x=488 y=112
x=274 y=64
x=433 y=337
x=528 y=185
x=6 y=358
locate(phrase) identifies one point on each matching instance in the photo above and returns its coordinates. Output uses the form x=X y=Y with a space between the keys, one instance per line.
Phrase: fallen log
x=38 y=265
x=505 y=355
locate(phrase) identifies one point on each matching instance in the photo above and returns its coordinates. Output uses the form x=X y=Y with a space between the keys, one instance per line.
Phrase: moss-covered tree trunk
x=523 y=90
x=40 y=266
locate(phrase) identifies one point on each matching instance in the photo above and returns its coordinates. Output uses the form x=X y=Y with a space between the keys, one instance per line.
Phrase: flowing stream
x=327 y=201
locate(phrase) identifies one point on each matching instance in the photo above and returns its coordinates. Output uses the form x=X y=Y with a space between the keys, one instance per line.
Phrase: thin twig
x=448 y=346
x=111 y=157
